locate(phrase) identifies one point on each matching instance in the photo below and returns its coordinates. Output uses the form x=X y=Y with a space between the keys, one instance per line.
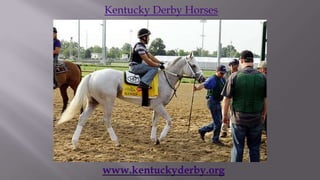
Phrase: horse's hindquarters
x=105 y=84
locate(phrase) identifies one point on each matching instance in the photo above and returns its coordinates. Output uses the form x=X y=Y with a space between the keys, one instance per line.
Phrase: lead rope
x=194 y=82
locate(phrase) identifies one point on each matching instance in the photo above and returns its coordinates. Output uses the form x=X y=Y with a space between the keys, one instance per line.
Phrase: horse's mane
x=171 y=63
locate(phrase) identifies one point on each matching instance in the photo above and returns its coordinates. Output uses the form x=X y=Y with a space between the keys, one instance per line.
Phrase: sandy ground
x=132 y=124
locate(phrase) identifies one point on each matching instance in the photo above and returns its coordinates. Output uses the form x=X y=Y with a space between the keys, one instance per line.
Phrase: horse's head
x=192 y=69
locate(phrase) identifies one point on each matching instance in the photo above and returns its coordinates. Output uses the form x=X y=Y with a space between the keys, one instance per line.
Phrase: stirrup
x=143 y=86
x=139 y=88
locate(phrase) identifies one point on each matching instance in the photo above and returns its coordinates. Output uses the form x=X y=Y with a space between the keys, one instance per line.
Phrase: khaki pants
x=225 y=127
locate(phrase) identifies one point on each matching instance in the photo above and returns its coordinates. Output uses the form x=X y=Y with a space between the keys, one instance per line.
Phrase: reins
x=173 y=88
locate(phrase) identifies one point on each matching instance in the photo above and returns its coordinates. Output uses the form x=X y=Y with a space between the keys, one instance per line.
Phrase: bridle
x=193 y=76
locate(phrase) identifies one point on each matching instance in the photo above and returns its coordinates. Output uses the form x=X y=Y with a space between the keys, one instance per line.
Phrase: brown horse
x=71 y=77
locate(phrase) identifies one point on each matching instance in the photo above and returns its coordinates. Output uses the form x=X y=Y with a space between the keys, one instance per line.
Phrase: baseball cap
x=262 y=64
x=222 y=69
x=246 y=54
x=234 y=62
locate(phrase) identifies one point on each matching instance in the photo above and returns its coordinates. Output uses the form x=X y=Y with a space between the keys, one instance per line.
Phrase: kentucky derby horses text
x=157 y=10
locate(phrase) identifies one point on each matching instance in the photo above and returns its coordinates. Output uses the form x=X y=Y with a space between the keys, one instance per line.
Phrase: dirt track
x=132 y=125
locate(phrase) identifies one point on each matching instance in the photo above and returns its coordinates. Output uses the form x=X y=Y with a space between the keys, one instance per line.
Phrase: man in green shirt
x=248 y=90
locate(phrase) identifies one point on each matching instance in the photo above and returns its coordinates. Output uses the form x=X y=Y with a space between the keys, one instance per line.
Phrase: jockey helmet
x=143 y=32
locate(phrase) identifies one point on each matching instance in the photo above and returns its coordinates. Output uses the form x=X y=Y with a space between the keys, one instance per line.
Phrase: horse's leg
x=64 y=95
x=82 y=121
x=162 y=112
x=155 y=117
x=107 y=107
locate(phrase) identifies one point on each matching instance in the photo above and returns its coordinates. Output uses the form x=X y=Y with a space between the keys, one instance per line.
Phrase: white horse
x=103 y=86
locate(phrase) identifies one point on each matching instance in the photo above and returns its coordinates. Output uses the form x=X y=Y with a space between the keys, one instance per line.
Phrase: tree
x=95 y=49
x=126 y=48
x=177 y=52
x=215 y=54
x=114 y=52
x=171 y=53
x=237 y=55
x=197 y=52
x=205 y=53
x=87 y=54
x=65 y=49
x=183 y=53
x=228 y=51
x=157 y=47
x=201 y=52
x=82 y=53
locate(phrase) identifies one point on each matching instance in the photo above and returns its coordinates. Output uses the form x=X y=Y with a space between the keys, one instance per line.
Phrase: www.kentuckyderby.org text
x=163 y=171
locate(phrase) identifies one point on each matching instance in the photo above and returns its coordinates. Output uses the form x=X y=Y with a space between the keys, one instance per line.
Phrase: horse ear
x=191 y=55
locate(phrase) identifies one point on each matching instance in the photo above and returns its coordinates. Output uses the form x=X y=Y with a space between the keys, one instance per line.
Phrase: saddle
x=132 y=79
x=130 y=84
x=61 y=67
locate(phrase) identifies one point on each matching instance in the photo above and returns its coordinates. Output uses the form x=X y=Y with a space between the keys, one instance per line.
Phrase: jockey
x=142 y=62
x=56 y=51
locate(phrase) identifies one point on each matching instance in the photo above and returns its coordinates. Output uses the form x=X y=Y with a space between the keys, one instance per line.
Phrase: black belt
x=133 y=63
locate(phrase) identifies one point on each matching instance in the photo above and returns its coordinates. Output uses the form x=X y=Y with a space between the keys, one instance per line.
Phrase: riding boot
x=145 y=97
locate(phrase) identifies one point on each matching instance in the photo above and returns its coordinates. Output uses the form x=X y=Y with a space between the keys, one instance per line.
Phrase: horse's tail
x=78 y=101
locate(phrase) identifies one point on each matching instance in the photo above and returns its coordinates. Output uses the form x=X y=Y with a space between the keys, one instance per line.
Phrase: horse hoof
x=117 y=145
x=157 y=142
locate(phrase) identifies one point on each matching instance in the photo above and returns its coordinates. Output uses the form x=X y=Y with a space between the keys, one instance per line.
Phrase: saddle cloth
x=130 y=83
x=61 y=67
